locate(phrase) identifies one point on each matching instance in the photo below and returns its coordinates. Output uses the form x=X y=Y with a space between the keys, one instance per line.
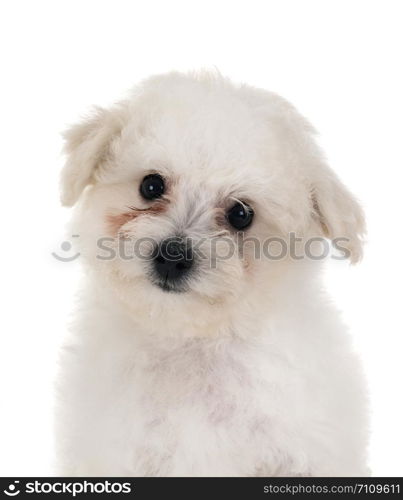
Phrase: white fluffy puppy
x=194 y=354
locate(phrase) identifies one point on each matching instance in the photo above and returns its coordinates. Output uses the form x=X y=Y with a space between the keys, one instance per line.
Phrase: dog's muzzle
x=172 y=261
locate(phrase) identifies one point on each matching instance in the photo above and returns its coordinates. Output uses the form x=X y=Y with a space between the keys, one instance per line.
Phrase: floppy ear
x=338 y=213
x=87 y=146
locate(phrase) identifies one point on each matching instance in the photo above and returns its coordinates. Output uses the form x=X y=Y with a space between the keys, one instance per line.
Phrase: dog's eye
x=152 y=187
x=240 y=215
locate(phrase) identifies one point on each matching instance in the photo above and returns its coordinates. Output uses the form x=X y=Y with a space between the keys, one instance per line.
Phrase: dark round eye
x=240 y=215
x=152 y=187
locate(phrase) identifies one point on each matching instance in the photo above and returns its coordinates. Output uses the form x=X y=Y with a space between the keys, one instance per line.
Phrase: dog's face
x=186 y=181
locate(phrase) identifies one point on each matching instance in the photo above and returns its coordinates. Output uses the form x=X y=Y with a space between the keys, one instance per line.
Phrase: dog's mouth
x=168 y=285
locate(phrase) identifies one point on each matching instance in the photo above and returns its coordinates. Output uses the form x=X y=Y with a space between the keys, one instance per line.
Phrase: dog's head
x=180 y=183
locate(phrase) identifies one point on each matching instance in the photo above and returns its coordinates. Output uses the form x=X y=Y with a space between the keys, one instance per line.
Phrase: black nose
x=172 y=259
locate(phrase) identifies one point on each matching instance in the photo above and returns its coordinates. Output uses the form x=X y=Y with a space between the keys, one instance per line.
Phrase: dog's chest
x=195 y=406
x=190 y=404
x=215 y=380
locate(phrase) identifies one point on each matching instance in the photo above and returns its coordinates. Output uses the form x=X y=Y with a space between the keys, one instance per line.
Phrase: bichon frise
x=204 y=344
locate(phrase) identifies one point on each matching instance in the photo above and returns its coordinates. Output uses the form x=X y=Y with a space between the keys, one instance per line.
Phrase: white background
x=338 y=61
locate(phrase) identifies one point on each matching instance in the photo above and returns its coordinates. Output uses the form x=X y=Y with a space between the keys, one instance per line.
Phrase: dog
x=193 y=352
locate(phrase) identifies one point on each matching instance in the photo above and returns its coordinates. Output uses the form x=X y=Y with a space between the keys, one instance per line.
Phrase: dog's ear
x=87 y=146
x=337 y=212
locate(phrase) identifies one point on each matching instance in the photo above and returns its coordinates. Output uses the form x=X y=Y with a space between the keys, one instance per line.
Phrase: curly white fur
x=250 y=371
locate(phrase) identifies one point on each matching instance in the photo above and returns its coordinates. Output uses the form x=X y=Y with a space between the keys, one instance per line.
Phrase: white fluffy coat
x=250 y=371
